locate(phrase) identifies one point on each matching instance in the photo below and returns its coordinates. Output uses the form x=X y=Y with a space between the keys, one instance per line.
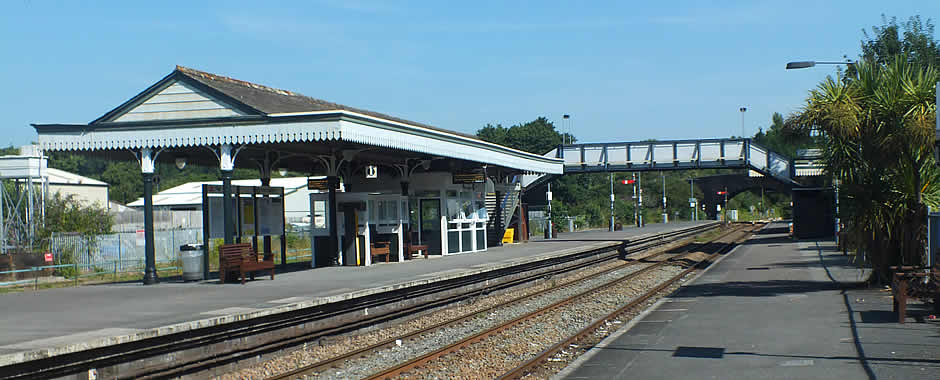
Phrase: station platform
x=772 y=309
x=57 y=321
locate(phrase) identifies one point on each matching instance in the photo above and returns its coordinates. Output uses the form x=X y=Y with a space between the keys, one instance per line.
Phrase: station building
x=384 y=178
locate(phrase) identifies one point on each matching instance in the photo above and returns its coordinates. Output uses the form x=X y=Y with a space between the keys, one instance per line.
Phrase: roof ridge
x=208 y=75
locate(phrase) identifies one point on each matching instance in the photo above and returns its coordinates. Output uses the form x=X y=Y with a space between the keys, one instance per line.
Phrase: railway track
x=337 y=361
x=222 y=348
x=436 y=364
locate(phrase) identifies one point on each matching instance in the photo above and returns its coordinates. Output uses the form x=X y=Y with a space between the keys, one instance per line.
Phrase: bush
x=66 y=258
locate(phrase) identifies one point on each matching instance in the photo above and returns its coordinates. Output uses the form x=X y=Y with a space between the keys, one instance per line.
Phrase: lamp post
x=835 y=181
x=808 y=64
x=662 y=175
x=566 y=126
x=611 y=202
x=743 y=110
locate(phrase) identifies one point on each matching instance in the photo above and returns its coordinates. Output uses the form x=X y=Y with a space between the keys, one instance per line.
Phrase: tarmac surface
x=54 y=321
x=772 y=309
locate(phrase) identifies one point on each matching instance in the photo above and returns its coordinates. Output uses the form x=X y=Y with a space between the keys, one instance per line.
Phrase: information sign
x=464 y=178
x=320 y=184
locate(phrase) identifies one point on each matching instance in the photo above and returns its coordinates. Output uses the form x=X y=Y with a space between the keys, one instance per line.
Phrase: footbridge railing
x=641 y=156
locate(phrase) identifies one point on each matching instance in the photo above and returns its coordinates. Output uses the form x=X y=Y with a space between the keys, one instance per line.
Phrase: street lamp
x=566 y=126
x=807 y=64
x=835 y=181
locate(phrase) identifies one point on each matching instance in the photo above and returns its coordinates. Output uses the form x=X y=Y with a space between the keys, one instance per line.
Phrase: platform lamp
x=835 y=181
x=180 y=162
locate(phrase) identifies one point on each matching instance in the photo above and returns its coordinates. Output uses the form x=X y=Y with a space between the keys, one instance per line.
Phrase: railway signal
x=629 y=181
x=722 y=193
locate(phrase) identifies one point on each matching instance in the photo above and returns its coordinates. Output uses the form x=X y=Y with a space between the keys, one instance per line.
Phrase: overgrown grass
x=709 y=236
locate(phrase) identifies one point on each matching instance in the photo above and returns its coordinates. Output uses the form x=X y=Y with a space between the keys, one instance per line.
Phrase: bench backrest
x=233 y=254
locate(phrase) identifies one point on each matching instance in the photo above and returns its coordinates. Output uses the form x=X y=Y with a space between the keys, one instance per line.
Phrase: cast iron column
x=226 y=166
x=266 y=240
x=227 y=206
x=146 y=169
x=332 y=183
x=150 y=273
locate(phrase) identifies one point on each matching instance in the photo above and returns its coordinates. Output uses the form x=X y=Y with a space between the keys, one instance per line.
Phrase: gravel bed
x=502 y=352
x=382 y=359
x=333 y=346
x=562 y=359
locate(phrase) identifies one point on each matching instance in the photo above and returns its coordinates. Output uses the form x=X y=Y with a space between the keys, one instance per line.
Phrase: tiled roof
x=269 y=100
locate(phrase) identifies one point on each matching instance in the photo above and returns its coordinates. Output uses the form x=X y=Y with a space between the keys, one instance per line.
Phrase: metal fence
x=126 y=249
x=132 y=220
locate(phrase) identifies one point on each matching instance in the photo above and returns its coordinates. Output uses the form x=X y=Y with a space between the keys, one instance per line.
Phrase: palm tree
x=880 y=131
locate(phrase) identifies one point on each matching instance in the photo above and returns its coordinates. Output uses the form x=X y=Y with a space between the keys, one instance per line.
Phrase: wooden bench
x=908 y=282
x=243 y=259
x=411 y=248
x=381 y=248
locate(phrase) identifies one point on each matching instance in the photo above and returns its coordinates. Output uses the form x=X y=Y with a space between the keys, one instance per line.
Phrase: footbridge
x=639 y=156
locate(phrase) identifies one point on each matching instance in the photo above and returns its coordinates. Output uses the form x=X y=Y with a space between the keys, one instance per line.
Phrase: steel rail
x=402 y=368
x=332 y=362
x=120 y=354
x=527 y=367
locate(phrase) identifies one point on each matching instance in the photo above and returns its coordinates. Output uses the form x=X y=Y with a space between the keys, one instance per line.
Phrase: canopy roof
x=190 y=108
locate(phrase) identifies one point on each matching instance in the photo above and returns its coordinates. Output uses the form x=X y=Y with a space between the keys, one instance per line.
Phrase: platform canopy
x=190 y=108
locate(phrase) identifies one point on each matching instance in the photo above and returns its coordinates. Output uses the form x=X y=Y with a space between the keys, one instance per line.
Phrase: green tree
x=125 y=180
x=67 y=214
x=781 y=139
x=537 y=136
x=880 y=130
x=911 y=40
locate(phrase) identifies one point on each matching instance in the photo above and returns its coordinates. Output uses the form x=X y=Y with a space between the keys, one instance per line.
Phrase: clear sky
x=624 y=70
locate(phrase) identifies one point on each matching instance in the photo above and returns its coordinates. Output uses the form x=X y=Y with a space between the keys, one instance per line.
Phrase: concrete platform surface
x=55 y=321
x=772 y=309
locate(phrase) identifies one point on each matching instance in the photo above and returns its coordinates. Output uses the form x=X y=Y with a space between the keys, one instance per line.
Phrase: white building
x=82 y=189
x=188 y=196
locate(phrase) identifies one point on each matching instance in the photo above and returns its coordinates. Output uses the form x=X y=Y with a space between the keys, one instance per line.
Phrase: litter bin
x=191 y=255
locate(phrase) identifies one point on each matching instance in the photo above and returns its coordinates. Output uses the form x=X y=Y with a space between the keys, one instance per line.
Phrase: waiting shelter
x=401 y=181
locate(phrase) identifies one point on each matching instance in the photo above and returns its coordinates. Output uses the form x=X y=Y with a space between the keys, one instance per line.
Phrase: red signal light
x=629 y=181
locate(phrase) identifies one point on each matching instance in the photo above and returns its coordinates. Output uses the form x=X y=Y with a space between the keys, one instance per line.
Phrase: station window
x=391 y=211
x=319 y=214
x=453 y=207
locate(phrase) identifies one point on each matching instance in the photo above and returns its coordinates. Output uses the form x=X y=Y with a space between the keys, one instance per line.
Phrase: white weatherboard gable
x=179 y=101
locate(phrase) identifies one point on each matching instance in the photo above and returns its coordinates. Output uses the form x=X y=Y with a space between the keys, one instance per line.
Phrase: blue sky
x=622 y=70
